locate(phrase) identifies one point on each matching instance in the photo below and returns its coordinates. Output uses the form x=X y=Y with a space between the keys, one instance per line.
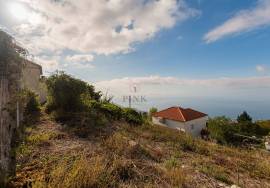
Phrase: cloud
x=80 y=58
x=79 y=65
x=151 y=80
x=157 y=80
x=172 y=86
x=48 y=63
x=243 y=21
x=80 y=61
x=261 y=69
x=97 y=27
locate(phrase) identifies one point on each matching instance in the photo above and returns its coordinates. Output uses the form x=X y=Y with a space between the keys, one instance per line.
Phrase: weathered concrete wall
x=31 y=79
x=27 y=76
x=193 y=127
x=7 y=127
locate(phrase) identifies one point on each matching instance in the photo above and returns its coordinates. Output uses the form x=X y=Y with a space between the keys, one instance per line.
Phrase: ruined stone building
x=31 y=79
x=28 y=75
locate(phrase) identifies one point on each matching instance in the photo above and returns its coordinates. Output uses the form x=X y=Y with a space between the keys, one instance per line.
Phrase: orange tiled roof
x=180 y=114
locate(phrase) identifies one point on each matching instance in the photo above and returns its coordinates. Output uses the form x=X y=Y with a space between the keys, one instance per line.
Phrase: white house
x=187 y=120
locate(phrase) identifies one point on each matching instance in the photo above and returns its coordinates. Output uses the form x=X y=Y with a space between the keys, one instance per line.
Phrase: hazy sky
x=170 y=49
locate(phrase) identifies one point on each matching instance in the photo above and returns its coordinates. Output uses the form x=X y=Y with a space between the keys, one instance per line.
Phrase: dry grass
x=176 y=177
x=81 y=172
x=146 y=156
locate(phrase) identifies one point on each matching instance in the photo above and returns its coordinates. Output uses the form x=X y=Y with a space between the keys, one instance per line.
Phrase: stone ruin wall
x=8 y=123
x=9 y=83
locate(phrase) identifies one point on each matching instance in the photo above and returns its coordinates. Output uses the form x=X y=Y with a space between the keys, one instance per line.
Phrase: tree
x=244 y=118
x=152 y=111
x=223 y=129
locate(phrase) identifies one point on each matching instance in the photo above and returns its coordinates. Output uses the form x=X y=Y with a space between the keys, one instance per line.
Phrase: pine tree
x=244 y=117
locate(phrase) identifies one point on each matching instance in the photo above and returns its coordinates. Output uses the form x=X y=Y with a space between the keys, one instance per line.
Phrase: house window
x=192 y=126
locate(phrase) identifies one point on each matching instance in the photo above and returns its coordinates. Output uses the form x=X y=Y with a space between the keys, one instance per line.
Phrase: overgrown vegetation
x=265 y=125
x=133 y=156
x=72 y=99
x=152 y=111
x=30 y=105
x=69 y=94
x=225 y=131
x=103 y=148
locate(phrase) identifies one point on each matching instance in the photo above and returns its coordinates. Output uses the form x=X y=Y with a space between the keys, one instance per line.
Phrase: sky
x=211 y=55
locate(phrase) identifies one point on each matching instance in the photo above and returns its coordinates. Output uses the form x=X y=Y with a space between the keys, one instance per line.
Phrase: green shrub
x=132 y=116
x=223 y=130
x=29 y=105
x=251 y=129
x=112 y=111
x=152 y=111
x=247 y=127
x=92 y=104
x=72 y=99
x=265 y=126
x=32 y=104
x=67 y=93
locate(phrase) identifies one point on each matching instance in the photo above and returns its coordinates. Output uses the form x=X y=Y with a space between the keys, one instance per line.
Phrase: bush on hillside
x=247 y=127
x=32 y=103
x=68 y=94
x=73 y=100
x=29 y=106
x=251 y=129
x=28 y=101
x=152 y=111
x=223 y=129
x=265 y=126
x=132 y=116
x=112 y=111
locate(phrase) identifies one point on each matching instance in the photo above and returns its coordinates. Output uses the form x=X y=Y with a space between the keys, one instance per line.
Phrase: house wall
x=195 y=130
x=198 y=125
x=31 y=80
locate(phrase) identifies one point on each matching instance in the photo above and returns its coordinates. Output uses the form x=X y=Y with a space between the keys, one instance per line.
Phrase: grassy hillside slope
x=120 y=155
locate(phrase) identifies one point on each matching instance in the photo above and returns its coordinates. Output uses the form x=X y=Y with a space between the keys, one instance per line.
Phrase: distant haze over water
x=212 y=106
